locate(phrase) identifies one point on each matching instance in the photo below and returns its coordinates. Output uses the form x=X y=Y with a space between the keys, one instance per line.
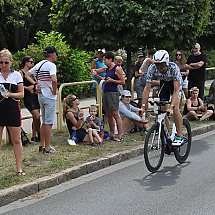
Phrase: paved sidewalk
x=18 y=192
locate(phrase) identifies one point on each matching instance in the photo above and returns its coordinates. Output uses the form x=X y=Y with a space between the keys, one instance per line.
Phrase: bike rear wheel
x=182 y=152
x=153 y=149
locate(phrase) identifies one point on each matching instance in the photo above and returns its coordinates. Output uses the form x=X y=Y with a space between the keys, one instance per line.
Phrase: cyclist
x=170 y=84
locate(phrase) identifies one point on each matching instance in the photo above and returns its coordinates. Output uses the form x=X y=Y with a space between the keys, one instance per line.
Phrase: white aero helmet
x=161 y=56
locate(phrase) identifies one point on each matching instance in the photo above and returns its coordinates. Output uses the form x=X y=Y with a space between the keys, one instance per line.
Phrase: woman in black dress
x=9 y=104
x=31 y=98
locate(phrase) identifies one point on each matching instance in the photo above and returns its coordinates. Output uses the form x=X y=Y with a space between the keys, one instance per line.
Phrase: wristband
x=143 y=105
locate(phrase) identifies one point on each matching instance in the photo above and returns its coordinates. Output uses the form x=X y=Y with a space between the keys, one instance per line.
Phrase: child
x=74 y=118
x=92 y=121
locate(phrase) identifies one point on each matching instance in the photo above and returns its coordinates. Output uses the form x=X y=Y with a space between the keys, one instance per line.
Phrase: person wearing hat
x=195 y=108
x=98 y=63
x=46 y=85
x=137 y=75
x=131 y=116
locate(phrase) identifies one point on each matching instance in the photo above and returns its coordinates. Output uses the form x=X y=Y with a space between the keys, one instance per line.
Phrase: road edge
x=17 y=192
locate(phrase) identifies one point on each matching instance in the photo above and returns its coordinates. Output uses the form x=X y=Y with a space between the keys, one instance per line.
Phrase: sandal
x=21 y=173
x=117 y=139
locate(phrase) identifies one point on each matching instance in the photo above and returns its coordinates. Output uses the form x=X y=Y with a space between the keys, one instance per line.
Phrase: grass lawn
x=37 y=164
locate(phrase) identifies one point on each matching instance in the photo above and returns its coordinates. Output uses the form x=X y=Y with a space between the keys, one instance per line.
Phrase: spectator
x=180 y=61
x=196 y=63
x=45 y=73
x=212 y=93
x=12 y=91
x=137 y=74
x=143 y=69
x=131 y=116
x=92 y=121
x=74 y=118
x=114 y=77
x=31 y=97
x=96 y=64
x=118 y=61
x=195 y=108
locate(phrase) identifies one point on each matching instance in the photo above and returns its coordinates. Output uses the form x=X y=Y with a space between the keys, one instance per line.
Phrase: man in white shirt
x=45 y=73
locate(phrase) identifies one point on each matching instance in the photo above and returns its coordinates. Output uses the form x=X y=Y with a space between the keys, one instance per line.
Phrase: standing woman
x=31 y=97
x=9 y=104
x=180 y=61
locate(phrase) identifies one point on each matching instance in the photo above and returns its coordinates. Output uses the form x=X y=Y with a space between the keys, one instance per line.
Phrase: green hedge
x=72 y=66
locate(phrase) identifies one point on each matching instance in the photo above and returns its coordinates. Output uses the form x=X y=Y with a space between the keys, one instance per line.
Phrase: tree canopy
x=89 y=24
x=20 y=20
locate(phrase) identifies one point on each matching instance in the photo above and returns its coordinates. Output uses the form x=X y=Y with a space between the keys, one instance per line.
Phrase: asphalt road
x=129 y=189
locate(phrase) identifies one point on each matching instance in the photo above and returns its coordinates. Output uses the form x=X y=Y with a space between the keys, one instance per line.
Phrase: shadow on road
x=165 y=177
x=200 y=147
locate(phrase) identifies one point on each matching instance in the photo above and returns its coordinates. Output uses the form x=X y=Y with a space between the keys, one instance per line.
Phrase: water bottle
x=3 y=91
x=155 y=105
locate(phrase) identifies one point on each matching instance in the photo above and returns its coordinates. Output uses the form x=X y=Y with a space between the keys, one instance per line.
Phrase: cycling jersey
x=173 y=73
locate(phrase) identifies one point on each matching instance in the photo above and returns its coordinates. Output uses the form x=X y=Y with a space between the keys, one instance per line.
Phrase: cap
x=194 y=89
x=101 y=50
x=140 y=54
x=126 y=93
x=50 y=50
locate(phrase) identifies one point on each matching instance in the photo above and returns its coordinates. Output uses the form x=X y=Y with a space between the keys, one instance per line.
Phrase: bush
x=73 y=65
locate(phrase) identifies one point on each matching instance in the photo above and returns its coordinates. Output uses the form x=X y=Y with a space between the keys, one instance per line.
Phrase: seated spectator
x=195 y=108
x=92 y=121
x=212 y=93
x=74 y=118
x=131 y=116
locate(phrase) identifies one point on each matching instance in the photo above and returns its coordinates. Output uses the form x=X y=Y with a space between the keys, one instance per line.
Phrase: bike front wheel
x=153 y=149
x=182 y=152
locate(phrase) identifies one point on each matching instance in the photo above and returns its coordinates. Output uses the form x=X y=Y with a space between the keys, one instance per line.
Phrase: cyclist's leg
x=165 y=91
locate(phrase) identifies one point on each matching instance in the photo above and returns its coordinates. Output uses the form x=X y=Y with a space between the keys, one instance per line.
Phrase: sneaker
x=52 y=150
x=177 y=141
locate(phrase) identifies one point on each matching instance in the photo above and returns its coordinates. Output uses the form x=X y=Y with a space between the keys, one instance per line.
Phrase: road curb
x=21 y=191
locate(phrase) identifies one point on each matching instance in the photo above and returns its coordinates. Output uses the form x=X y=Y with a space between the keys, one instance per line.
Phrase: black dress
x=9 y=107
x=30 y=99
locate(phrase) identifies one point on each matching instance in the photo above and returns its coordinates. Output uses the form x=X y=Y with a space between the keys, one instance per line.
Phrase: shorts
x=31 y=102
x=185 y=83
x=139 y=87
x=81 y=133
x=166 y=90
x=111 y=101
x=48 y=109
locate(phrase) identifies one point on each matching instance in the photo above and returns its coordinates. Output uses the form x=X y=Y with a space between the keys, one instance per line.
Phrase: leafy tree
x=20 y=20
x=89 y=24
x=72 y=64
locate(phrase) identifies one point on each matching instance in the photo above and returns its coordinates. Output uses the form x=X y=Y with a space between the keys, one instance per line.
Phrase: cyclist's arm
x=146 y=91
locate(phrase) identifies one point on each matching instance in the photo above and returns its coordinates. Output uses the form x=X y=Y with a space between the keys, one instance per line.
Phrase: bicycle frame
x=161 y=120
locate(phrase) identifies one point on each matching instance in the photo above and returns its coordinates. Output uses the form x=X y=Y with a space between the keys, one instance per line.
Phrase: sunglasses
x=4 y=62
x=178 y=54
x=75 y=98
x=127 y=97
x=31 y=61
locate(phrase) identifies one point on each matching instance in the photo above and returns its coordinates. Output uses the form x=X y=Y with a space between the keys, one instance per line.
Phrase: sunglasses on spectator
x=4 y=62
x=127 y=96
x=31 y=61
x=178 y=54
x=75 y=98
